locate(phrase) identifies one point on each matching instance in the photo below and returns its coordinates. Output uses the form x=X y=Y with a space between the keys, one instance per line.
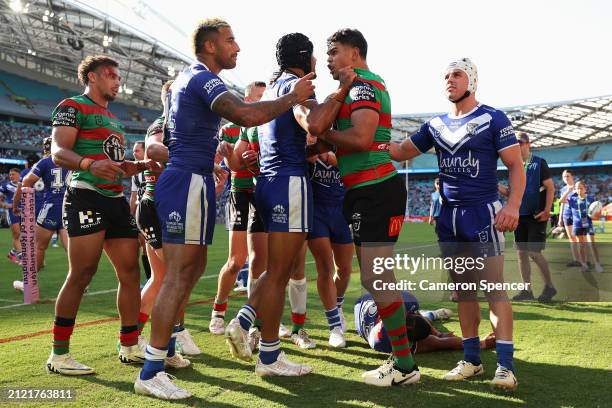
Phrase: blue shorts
x=567 y=220
x=284 y=203
x=328 y=222
x=186 y=207
x=470 y=229
x=11 y=218
x=579 y=230
x=50 y=216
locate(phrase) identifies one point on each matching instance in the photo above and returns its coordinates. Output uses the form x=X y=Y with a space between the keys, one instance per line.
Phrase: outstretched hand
x=304 y=87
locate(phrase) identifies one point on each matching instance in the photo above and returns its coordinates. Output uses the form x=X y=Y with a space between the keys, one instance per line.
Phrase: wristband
x=87 y=165
x=339 y=95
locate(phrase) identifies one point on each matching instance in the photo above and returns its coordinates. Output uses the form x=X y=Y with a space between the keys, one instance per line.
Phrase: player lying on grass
x=423 y=336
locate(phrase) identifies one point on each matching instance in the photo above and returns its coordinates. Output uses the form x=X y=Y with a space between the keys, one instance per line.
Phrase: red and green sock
x=142 y=320
x=62 y=330
x=219 y=308
x=298 y=320
x=394 y=320
x=128 y=335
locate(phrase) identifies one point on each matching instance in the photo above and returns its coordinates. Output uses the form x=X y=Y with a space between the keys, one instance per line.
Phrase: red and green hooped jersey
x=152 y=176
x=100 y=136
x=359 y=169
x=242 y=180
x=251 y=136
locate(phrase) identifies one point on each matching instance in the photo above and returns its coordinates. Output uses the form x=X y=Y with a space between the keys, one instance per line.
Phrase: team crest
x=113 y=148
x=99 y=121
x=470 y=128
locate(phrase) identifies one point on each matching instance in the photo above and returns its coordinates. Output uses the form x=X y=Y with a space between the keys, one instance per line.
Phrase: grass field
x=562 y=353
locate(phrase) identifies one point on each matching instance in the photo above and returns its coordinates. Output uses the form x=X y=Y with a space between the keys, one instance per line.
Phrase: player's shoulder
x=156 y=127
x=45 y=161
x=75 y=102
x=496 y=114
x=197 y=75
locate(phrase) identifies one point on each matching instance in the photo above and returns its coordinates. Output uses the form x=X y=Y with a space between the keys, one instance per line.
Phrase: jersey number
x=57 y=178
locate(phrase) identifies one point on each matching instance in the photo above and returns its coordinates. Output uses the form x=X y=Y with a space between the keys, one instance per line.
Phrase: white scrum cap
x=467 y=66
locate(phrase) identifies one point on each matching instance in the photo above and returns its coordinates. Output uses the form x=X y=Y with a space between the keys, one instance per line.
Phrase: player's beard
x=109 y=97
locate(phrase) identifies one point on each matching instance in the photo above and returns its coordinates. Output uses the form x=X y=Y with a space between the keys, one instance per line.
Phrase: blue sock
x=247 y=316
x=333 y=318
x=339 y=301
x=154 y=362
x=505 y=350
x=269 y=351
x=172 y=342
x=179 y=328
x=471 y=350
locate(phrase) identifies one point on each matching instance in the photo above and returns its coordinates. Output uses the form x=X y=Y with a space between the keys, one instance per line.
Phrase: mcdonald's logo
x=395 y=225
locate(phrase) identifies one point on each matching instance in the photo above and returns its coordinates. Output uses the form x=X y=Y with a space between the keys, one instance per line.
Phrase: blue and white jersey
x=282 y=141
x=7 y=188
x=327 y=187
x=54 y=178
x=192 y=125
x=567 y=211
x=467 y=147
x=39 y=189
x=579 y=210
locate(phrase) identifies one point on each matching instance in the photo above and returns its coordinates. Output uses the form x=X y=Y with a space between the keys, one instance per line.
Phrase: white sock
x=298 y=294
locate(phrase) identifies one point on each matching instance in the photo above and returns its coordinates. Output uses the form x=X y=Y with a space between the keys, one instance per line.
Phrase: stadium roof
x=578 y=121
x=53 y=36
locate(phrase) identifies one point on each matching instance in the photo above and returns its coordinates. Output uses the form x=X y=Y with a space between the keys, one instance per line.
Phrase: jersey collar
x=451 y=116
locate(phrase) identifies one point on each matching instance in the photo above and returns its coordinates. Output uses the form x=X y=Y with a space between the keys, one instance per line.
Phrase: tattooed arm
x=245 y=114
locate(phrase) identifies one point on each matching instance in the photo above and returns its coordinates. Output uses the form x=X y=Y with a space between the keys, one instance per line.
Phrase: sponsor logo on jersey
x=89 y=218
x=113 y=148
x=506 y=132
x=395 y=225
x=210 y=86
x=460 y=164
x=362 y=92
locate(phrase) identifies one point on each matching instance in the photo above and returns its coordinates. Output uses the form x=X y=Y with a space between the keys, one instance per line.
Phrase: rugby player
x=246 y=234
x=330 y=241
x=468 y=142
x=284 y=199
x=137 y=191
x=185 y=192
x=148 y=225
x=89 y=140
x=49 y=220
x=375 y=200
x=424 y=337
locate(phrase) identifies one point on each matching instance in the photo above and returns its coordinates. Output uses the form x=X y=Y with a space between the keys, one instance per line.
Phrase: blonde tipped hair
x=204 y=31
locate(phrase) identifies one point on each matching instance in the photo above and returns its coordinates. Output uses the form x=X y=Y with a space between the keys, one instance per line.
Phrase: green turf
x=562 y=353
